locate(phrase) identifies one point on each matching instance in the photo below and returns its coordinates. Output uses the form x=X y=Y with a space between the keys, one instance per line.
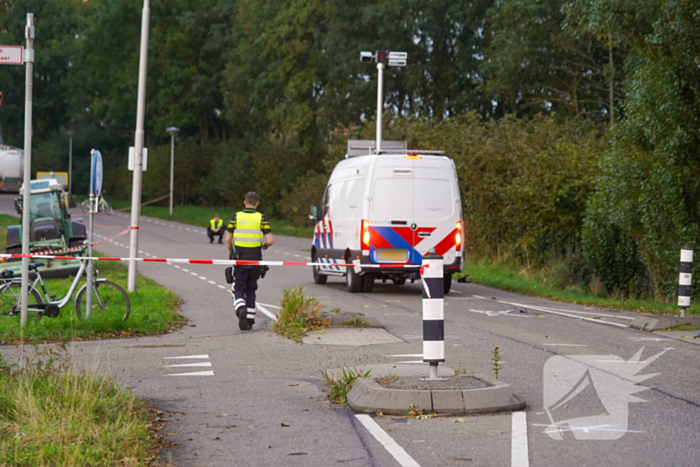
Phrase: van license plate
x=391 y=255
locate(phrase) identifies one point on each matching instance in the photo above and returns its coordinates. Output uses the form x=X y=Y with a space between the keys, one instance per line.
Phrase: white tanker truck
x=11 y=168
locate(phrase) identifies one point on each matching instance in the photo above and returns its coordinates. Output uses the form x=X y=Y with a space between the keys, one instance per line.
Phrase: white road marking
x=519 y=456
x=271 y=306
x=406 y=355
x=212 y=282
x=298 y=256
x=655 y=339
x=456 y=291
x=194 y=274
x=195 y=373
x=589 y=313
x=568 y=345
x=202 y=277
x=387 y=441
x=267 y=313
x=188 y=356
x=208 y=364
x=221 y=287
x=546 y=310
x=586 y=429
x=185 y=270
x=176 y=266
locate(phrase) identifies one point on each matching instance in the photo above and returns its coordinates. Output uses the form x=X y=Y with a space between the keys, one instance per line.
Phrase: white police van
x=390 y=208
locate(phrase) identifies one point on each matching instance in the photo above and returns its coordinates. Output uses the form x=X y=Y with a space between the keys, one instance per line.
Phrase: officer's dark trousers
x=245 y=284
x=211 y=234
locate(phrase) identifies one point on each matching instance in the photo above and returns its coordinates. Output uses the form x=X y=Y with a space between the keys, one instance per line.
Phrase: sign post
x=96 y=173
x=29 y=59
x=138 y=147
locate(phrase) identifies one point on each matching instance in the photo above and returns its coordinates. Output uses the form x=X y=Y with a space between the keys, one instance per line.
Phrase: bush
x=298 y=314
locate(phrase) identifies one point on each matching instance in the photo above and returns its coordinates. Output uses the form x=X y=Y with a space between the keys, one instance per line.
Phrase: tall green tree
x=650 y=191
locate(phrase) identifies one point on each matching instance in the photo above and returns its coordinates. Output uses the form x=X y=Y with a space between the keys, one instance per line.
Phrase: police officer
x=247 y=229
x=216 y=227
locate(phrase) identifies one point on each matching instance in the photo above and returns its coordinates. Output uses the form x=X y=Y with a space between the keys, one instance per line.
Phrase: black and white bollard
x=433 y=313
x=685 y=279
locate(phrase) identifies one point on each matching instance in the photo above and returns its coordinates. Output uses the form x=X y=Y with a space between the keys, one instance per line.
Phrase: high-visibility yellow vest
x=214 y=224
x=247 y=233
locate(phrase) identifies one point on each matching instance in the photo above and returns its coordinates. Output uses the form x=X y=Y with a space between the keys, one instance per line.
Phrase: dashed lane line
x=183 y=365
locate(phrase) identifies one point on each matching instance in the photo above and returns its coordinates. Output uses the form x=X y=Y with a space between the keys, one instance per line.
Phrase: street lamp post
x=70 y=134
x=383 y=58
x=173 y=132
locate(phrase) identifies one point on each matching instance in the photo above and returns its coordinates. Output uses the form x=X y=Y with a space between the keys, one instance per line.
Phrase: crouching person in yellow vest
x=246 y=231
x=216 y=227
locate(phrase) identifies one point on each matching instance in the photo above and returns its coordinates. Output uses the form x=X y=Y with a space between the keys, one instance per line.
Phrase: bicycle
x=108 y=297
x=102 y=205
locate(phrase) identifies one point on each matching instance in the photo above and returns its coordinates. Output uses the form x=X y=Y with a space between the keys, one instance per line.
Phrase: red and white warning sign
x=11 y=55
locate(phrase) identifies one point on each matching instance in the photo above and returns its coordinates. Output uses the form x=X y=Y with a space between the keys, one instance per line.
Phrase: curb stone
x=368 y=396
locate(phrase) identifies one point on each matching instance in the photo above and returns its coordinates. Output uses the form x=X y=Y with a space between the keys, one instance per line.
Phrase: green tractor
x=51 y=228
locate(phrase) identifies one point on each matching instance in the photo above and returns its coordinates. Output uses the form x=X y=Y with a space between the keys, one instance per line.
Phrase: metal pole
x=70 y=165
x=685 y=280
x=138 y=148
x=26 y=207
x=432 y=273
x=172 y=168
x=88 y=300
x=380 y=103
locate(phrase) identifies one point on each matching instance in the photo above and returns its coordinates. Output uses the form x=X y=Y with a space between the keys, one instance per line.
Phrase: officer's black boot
x=242 y=319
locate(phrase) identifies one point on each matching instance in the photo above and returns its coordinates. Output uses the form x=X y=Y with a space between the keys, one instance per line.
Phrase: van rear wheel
x=353 y=281
x=446 y=283
x=318 y=277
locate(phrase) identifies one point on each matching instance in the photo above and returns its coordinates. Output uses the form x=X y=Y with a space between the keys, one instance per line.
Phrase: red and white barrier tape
x=219 y=262
x=47 y=254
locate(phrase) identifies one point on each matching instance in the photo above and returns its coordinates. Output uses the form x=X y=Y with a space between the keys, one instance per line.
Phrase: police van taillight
x=458 y=236
x=365 y=235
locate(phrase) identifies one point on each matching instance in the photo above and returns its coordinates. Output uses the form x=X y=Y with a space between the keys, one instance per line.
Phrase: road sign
x=11 y=55
x=97 y=173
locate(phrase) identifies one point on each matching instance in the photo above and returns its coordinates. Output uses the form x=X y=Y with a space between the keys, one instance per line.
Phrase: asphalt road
x=259 y=399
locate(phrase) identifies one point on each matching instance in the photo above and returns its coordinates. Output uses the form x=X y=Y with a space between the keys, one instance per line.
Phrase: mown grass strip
x=200 y=216
x=538 y=284
x=51 y=415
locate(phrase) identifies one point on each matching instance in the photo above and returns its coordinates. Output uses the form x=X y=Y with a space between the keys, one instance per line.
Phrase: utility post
x=70 y=134
x=173 y=132
x=138 y=148
x=382 y=57
x=26 y=206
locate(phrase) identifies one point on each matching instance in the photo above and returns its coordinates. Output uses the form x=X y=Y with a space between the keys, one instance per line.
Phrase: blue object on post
x=97 y=173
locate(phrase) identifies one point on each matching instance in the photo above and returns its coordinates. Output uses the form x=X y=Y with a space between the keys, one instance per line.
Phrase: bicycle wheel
x=11 y=303
x=108 y=300
x=105 y=206
x=85 y=206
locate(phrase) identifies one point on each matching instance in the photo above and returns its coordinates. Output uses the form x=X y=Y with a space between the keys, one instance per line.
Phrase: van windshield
x=434 y=199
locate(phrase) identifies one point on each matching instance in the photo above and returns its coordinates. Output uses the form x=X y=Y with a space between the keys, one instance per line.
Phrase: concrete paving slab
x=685 y=336
x=351 y=336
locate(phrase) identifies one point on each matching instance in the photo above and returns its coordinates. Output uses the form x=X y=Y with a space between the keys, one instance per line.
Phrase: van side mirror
x=18 y=205
x=313 y=213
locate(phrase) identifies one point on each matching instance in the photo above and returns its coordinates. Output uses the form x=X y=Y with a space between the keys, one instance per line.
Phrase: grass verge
x=153 y=310
x=51 y=415
x=539 y=284
x=200 y=216
x=298 y=314
x=341 y=384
